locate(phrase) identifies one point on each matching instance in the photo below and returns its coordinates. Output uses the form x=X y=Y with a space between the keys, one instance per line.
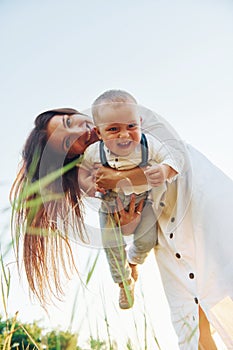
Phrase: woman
x=36 y=211
x=193 y=256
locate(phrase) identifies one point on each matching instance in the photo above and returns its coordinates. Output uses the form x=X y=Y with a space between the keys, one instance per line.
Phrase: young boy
x=123 y=146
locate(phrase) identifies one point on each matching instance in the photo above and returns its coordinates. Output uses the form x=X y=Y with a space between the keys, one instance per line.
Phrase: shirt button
x=191 y=275
x=172 y=219
x=162 y=204
x=171 y=235
x=178 y=255
x=116 y=159
x=196 y=300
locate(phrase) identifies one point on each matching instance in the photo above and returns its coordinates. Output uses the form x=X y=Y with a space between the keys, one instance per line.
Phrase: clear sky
x=175 y=57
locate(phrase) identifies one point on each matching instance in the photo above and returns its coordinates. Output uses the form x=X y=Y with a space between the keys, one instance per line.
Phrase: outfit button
x=191 y=275
x=172 y=219
x=116 y=159
x=178 y=255
x=171 y=235
x=196 y=300
x=162 y=204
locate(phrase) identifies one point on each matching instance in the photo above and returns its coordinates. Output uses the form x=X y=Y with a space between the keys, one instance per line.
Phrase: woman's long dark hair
x=39 y=207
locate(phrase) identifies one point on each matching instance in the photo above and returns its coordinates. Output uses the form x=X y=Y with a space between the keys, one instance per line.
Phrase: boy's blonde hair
x=111 y=96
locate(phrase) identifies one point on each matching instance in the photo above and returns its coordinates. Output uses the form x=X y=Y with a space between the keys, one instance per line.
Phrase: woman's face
x=71 y=134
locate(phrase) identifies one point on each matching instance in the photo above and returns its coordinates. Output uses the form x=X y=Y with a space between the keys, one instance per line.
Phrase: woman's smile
x=71 y=134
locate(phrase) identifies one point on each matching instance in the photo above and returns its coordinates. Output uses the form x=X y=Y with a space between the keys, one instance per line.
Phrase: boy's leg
x=114 y=247
x=145 y=236
x=206 y=341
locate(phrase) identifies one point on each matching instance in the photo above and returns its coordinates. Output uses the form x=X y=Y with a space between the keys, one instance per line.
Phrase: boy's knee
x=145 y=245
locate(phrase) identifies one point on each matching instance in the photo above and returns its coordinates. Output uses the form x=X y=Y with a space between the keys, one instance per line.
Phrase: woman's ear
x=97 y=132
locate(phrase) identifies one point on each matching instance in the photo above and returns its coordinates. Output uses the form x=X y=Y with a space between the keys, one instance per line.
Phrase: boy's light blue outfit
x=149 y=152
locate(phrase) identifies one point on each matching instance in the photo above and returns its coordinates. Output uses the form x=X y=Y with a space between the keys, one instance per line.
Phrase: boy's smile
x=119 y=127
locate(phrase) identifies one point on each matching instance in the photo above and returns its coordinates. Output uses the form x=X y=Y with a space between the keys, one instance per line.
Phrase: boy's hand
x=88 y=183
x=94 y=172
x=157 y=174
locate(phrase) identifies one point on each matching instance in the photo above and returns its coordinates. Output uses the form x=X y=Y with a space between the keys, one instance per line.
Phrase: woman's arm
x=109 y=178
x=154 y=176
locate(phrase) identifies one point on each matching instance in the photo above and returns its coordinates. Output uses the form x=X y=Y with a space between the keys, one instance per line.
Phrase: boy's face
x=119 y=126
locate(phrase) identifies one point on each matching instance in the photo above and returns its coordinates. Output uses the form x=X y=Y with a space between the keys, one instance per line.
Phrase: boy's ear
x=97 y=132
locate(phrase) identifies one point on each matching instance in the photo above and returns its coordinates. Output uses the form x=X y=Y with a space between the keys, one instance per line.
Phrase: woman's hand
x=109 y=178
x=128 y=220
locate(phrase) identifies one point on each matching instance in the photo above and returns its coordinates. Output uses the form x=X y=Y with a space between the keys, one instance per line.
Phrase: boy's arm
x=87 y=170
x=158 y=127
x=157 y=174
x=167 y=166
x=86 y=180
